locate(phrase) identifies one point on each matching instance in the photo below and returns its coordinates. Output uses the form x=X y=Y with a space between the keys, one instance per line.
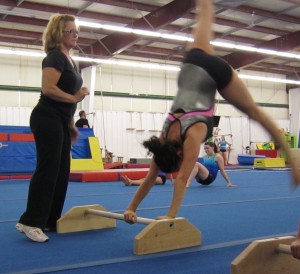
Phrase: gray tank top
x=195 y=99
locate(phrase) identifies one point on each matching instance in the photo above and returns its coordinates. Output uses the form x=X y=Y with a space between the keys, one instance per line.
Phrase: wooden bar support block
x=76 y=219
x=263 y=257
x=157 y=236
x=166 y=235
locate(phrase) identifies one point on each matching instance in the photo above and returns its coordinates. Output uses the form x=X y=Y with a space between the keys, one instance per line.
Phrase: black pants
x=49 y=183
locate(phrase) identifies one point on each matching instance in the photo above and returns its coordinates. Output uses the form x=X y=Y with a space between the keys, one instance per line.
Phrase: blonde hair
x=53 y=34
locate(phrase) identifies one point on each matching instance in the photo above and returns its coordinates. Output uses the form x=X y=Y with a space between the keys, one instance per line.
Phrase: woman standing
x=224 y=146
x=52 y=124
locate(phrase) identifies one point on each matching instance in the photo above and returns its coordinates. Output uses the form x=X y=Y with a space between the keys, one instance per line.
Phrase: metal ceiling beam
x=51 y=9
x=144 y=49
x=291 y=69
x=126 y=4
x=26 y=21
x=240 y=60
x=238 y=25
x=117 y=19
x=157 y=19
x=264 y=13
x=20 y=33
x=171 y=28
x=19 y=41
x=152 y=56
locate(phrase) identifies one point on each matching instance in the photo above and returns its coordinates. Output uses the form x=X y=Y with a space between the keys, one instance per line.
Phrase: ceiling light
x=21 y=52
x=258 y=50
x=268 y=79
x=134 y=31
x=136 y=64
x=187 y=39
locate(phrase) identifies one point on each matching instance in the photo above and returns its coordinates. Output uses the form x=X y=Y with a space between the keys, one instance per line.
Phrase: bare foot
x=125 y=180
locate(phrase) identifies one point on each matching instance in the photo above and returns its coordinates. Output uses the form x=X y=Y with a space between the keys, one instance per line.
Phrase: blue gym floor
x=263 y=205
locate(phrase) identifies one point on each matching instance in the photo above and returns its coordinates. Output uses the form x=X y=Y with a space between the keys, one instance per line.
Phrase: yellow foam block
x=94 y=163
x=269 y=162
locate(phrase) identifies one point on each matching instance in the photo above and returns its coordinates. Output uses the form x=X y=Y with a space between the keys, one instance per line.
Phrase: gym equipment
x=93 y=163
x=157 y=236
x=267 y=256
x=269 y=163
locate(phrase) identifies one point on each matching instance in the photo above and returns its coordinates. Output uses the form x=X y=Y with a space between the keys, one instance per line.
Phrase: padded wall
x=17 y=152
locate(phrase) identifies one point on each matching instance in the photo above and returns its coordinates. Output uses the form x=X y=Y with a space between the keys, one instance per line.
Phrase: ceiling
x=269 y=24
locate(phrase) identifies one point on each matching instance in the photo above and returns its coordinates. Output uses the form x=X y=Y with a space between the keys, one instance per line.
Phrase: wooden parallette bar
x=268 y=256
x=157 y=236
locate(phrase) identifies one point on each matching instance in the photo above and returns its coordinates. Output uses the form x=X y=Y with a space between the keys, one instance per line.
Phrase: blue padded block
x=16 y=149
x=81 y=149
x=16 y=157
x=15 y=129
x=246 y=159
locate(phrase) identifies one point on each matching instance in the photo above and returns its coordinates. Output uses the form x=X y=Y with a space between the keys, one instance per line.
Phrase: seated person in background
x=207 y=172
x=82 y=121
x=295 y=246
x=160 y=180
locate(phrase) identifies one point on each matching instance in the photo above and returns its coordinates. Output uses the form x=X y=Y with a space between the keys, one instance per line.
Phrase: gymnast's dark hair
x=165 y=154
x=212 y=144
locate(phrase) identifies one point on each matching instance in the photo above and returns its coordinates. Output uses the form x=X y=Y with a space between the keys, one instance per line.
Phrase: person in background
x=52 y=124
x=190 y=121
x=206 y=173
x=82 y=121
x=223 y=147
x=160 y=180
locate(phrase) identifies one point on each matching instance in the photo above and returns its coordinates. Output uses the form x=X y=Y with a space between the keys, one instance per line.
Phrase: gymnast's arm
x=191 y=148
x=130 y=215
x=220 y=162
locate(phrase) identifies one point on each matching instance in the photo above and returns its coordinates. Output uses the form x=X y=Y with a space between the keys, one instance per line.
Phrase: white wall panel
x=112 y=117
x=28 y=99
x=30 y=77
x=124 y=132
x=15 y=116
x=10 y=70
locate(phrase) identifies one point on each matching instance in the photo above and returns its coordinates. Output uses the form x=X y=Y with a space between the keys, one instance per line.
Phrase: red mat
x=107 y=175
x=15 y=177
x=137 y=165
x=113 y=165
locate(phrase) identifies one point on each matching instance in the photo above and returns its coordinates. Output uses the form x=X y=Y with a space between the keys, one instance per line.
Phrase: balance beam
x=267 y=256
x=157 y=236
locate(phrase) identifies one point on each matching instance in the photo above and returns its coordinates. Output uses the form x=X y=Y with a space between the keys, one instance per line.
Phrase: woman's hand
x=74 y=133
x=80 y=94
x=130 y=216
